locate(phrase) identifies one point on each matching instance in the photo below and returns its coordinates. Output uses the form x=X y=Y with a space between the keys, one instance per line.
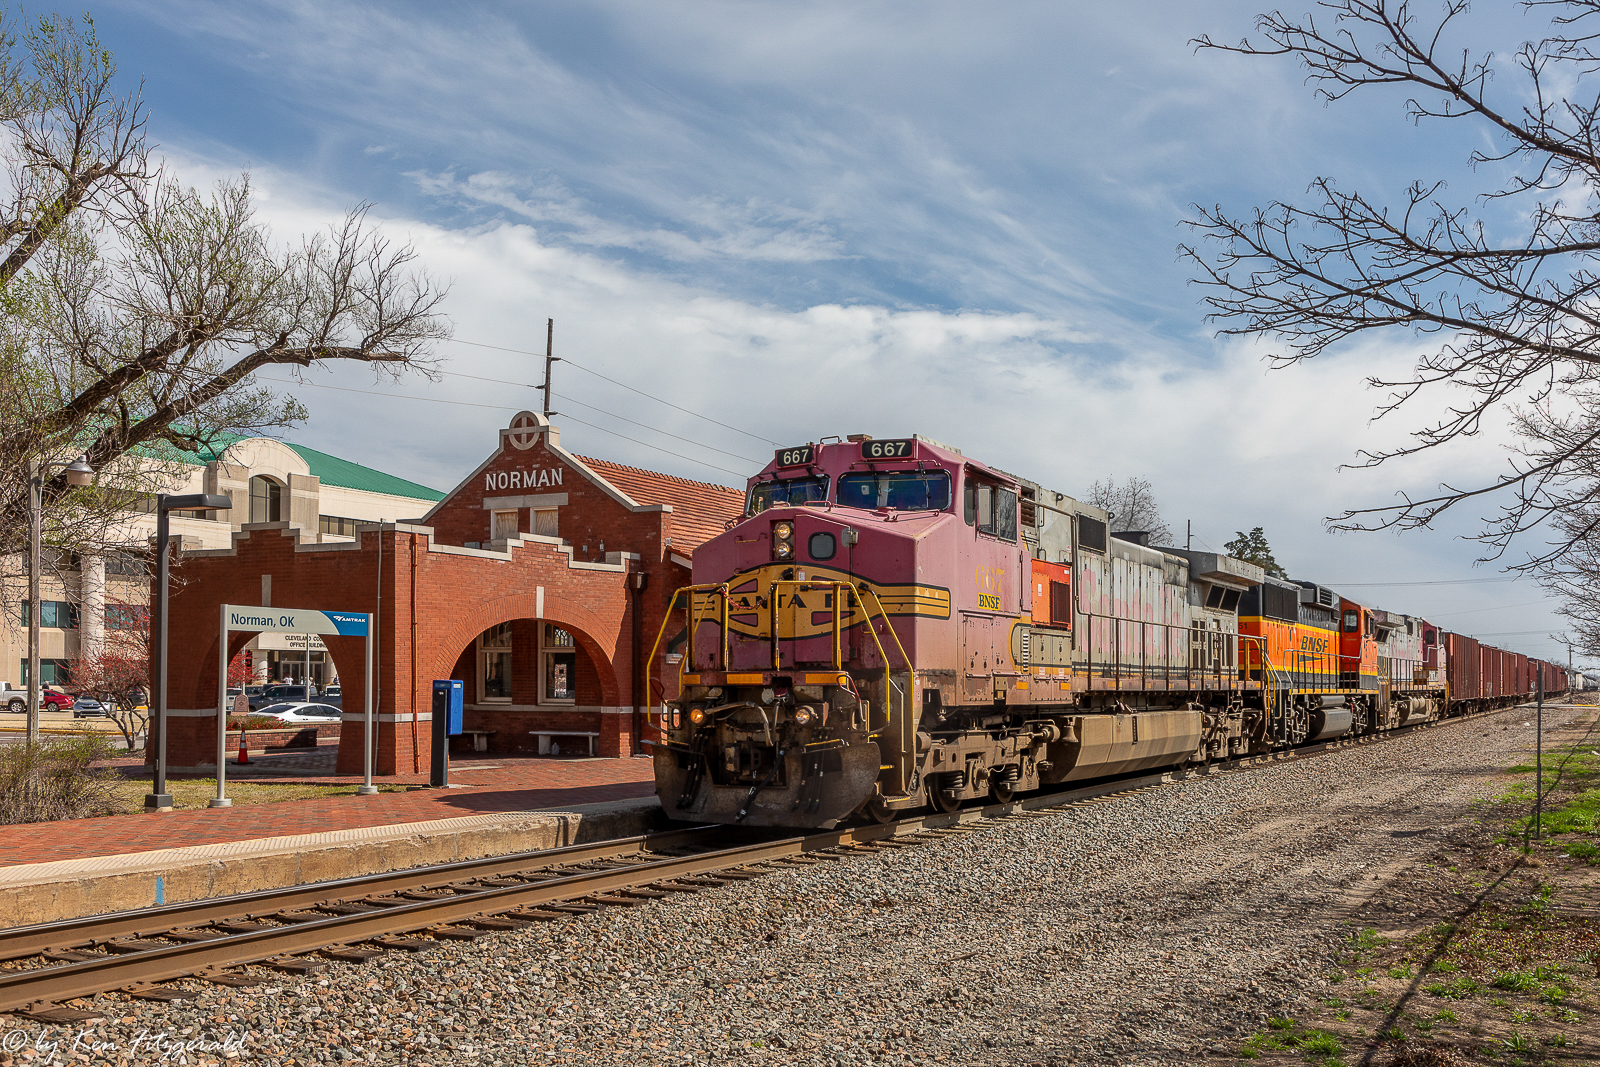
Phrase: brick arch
x=582 y=623
x=203 y=693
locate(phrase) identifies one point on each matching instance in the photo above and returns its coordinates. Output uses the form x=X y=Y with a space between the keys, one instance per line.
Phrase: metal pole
x=35 y=535
x=221 y=799
x=159 y=799
x=367 y=788
x=1538 y=762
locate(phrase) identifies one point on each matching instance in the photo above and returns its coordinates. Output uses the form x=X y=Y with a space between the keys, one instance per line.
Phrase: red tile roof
x=700 y=510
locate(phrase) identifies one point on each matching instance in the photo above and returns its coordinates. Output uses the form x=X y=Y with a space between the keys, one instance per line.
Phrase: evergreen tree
x=1252 y=547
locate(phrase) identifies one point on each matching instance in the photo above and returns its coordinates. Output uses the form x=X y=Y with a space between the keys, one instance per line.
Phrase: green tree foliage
x=1252 y=547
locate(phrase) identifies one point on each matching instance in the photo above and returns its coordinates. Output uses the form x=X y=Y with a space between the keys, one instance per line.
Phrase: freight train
x=893 y=626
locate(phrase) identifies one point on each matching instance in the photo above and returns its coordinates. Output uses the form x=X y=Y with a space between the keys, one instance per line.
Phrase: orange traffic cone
x=244 y=749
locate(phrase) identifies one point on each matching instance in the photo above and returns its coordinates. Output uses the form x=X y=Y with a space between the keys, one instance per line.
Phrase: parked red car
x=49 y=700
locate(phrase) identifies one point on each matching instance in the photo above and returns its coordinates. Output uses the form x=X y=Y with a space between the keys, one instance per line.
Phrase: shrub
x=56 y=779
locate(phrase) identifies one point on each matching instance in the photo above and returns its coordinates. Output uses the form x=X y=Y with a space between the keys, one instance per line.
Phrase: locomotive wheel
x=943 y=800
x=1001 y=792
x=879 y=811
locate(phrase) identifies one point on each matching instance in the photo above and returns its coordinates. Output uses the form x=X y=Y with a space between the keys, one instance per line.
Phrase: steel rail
x=33 y=989
x=20 y=989
x=21 y=941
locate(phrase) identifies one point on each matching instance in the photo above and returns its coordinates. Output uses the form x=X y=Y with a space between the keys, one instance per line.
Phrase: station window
x=503 y=525
x=494 y=657
x=266 y=500
x=558 y=666
x=544 y=522
x=53 y=614
x=334 y=524
x=51 y=672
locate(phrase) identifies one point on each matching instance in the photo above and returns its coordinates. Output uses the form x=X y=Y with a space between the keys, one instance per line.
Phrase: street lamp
x=158 y=799
x=78 y=472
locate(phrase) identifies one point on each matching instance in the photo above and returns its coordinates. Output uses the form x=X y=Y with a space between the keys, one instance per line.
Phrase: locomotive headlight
x=783 y=540
x=804 y=714
x=697 y=715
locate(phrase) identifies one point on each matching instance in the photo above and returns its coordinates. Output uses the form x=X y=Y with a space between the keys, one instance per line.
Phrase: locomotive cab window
x=991 y=508
x=901 y=490
x=788 y=491
x=1352 y=622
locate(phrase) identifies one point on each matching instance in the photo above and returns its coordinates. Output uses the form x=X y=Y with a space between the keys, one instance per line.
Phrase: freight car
x=893 y=625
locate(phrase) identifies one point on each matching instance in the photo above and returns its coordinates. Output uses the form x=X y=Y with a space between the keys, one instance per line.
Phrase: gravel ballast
x=1148 y=929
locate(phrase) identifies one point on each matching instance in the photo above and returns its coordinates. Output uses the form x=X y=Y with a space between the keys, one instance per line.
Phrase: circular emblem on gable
x=525 y=429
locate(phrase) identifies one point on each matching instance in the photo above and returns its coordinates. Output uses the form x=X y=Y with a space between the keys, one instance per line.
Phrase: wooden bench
x=480 y=739
x=544 y=737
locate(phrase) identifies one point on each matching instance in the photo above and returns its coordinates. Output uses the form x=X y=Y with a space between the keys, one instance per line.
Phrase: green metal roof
x=330 y=469
x=341 y=472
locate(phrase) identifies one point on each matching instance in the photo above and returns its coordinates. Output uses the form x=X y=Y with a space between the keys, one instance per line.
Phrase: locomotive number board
x=794 y=457
x=887 y=449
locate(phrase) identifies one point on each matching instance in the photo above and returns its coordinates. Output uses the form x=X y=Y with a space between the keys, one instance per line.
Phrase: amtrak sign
x=294 y=620
x=289 y=621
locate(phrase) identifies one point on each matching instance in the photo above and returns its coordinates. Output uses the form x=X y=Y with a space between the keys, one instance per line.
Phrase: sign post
x=293 y=621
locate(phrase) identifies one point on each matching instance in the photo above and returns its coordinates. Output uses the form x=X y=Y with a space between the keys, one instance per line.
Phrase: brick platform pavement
x=479 y=786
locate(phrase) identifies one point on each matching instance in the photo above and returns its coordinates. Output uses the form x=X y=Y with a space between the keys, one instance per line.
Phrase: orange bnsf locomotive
x=893 y=626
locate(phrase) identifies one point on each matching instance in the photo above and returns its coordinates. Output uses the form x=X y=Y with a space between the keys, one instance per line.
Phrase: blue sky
x=803 y=219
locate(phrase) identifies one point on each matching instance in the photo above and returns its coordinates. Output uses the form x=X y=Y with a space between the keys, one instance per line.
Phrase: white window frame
x=545 y=651
x=486 y=650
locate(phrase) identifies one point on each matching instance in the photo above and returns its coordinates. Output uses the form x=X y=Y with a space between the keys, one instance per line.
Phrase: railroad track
x=303 y=929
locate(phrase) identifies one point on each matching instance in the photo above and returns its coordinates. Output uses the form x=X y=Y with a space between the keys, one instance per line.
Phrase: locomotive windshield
x=790 y=491
x=901 y=490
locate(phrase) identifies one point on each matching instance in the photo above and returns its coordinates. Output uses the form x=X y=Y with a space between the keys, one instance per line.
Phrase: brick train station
x=540 y=582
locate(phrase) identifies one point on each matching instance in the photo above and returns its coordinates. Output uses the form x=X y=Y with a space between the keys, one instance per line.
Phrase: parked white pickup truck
x=15 y=700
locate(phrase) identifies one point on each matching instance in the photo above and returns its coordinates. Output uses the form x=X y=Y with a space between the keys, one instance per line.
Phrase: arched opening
x=524 y=678
x=266 y=499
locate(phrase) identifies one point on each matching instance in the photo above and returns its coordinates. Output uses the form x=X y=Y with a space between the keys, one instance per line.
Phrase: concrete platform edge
x=68 y=889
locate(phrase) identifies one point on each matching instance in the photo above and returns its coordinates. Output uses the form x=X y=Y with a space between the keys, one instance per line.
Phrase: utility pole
x=549 y=359
x=1188 y=536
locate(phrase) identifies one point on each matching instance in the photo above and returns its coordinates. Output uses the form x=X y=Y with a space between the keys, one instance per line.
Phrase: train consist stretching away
x=893 y=625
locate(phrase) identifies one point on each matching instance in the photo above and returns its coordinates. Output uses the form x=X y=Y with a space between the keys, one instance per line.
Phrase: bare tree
x=136 y=310
x=1499 y=322
x=1132 y=506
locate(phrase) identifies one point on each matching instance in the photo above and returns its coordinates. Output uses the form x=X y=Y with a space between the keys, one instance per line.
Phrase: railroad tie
x=163 y=994
x=351 y=953
x=457 y=933
x=51 y=1013
x=406 y=944
x=294 y=964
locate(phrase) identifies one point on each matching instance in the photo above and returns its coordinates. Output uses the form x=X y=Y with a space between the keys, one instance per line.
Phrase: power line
x=396 y=396
x=653 y=429
x=1496 y=607
x=502 y=407
x=569 y=362
x=1449 y=581
x=658 y=448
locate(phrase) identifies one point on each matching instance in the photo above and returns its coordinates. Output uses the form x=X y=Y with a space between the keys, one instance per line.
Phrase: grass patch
x=197 y=792
x=1457 y=989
